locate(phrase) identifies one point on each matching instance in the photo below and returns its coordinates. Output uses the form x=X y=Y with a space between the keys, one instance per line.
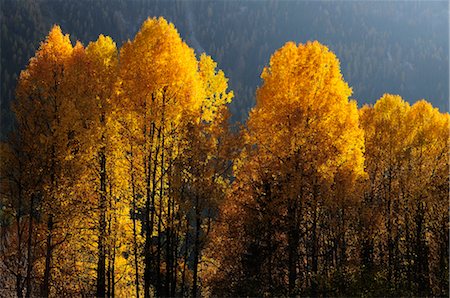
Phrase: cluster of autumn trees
x=329 y=200
x=123 y=178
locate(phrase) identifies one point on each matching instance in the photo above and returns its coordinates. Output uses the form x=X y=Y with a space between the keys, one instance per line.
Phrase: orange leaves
x=148 y=133
x=303 y=109
x=308 y=74
x=157 y=64
x=41 y=106
x=48 y=63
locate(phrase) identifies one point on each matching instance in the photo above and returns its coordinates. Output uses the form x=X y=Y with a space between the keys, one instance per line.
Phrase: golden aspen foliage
x=41 y=111
x=215 y=86
x=124 y=178
x=172 y=116
x=407 y=164
x=303 y=108
x=157 y=64
x=45 y=115
x=40 y=94
x=302 y=133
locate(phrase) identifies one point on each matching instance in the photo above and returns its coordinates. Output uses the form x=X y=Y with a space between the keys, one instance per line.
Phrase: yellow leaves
x=56 y=47
x=103 y=52
x=46 y=66
x=44 y=111
x=303 y=110
x=48 y=62
x=429 y=123
x=308 y=74
x=159 y=115
x=411 y=142
x=83 y=112
x=387 y=126
x=157 y=65
x=215 y=85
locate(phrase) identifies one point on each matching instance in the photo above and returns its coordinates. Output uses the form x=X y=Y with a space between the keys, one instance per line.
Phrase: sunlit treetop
x=309 y=74
x=158 y=65
x=50 y=58
x=103 y=51
x=215 y=86
x=385 y=125
x=303 y=110
x=56 y=46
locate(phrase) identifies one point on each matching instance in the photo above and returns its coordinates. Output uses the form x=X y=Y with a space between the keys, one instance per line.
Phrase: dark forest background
x=398 y=47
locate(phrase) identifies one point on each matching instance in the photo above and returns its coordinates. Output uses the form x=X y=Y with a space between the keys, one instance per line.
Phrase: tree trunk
x=29 y=257
x=169 y=265
x=314 y=252
x=160 y=288
x=113 y=275
x=159 y=281
x=174 y=241
x=108 y=252
x=422 y=271
x=135 y=249
x=443 y=256
x=108 y=280
x=175 y=261
x=19 y=288
x=149 y=214
x=389 y=230
x=101 y=264
x=196 y=248
x=293 y=239
x=408 y=249
x=185 y=258
x=315 y=249
x=45 y=291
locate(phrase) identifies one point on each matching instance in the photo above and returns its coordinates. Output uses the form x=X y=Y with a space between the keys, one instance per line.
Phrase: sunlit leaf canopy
x=124 y=177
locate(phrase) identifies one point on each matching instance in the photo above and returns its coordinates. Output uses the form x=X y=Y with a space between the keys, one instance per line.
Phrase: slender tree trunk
x=135 y=248
x=341 y=257
x=112 y=244
x=174 y=241
x=149 y=214
x=158 y=251
x=396 y=248
x=169 y=265
x=314 y=267
x=45 y=291
x=113 y=269
x=443 y=256
x=29 y=244
x=108 y=253
x=175 y=261
x=185 y=259
x=389 y=229
x=101 y=264
x=159 y=286
x=159 y=280
x=293 y=239
x=408 y=250
x=196 y=247
x=422 y=271
x=269 y=236
x=343 y=250
x=314 y=250
x=19 y=285
x=19 y=288
x=108 y=280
